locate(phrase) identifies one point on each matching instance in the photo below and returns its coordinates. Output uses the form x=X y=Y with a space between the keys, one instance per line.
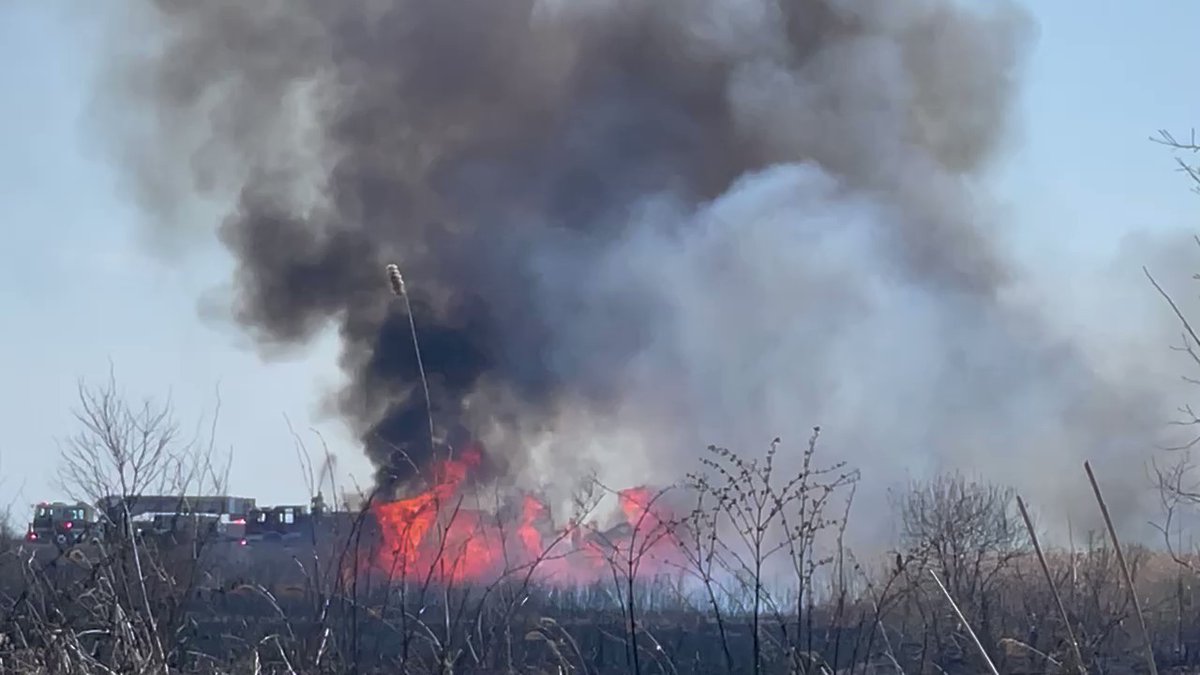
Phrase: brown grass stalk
x=963 y=619
x=1062 y=610
x=1137 y=605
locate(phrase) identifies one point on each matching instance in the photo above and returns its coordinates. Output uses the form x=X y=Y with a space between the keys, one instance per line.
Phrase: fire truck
x=169 y=520
x=284 y=524
x=64 y=524
x=164 y=518
x=278 y=523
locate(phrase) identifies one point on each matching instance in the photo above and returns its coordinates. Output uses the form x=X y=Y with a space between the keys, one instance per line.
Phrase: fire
x=532 y=510
x=437 y=535
x=636 y=503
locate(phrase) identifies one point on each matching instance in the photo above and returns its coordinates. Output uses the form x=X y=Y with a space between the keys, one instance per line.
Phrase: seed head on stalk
x=397 y=281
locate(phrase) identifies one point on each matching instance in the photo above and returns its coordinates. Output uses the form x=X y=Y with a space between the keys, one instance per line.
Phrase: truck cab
x=278 y=523
x=62 y=524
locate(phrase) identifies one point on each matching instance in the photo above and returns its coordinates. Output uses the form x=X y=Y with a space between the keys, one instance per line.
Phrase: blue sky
x=79 y=290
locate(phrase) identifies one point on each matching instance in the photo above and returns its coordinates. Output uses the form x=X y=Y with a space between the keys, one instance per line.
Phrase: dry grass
x=207 y=608
x=754 y=579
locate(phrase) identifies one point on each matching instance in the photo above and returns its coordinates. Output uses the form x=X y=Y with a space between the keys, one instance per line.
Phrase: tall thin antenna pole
x=400 y=291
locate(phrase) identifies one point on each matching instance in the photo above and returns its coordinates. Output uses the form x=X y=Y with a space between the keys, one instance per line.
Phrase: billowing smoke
x=632 y=228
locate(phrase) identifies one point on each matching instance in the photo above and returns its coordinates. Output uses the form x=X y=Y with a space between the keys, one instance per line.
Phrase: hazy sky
x=80 y=290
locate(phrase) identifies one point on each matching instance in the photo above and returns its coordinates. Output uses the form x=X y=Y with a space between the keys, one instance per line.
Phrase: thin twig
x=1174 y=307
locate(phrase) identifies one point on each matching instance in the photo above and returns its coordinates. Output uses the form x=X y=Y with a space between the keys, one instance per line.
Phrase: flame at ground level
x=442 y=535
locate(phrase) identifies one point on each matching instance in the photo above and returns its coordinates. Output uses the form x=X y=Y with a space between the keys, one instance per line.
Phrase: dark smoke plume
x=631 y=228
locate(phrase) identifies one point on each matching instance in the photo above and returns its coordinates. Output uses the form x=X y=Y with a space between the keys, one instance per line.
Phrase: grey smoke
x=632 y=228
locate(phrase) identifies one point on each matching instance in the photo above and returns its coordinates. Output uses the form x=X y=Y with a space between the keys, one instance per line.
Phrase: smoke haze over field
x=633 y=228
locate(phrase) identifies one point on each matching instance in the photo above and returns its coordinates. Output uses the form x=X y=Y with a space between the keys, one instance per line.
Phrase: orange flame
x=433 y=536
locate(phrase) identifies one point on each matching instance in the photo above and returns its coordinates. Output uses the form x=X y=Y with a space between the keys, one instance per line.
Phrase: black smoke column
x=628 y=228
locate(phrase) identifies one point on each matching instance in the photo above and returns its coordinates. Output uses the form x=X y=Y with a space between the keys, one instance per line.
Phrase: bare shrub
x=970 y=534
x=118 y=603
x=746 y=516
